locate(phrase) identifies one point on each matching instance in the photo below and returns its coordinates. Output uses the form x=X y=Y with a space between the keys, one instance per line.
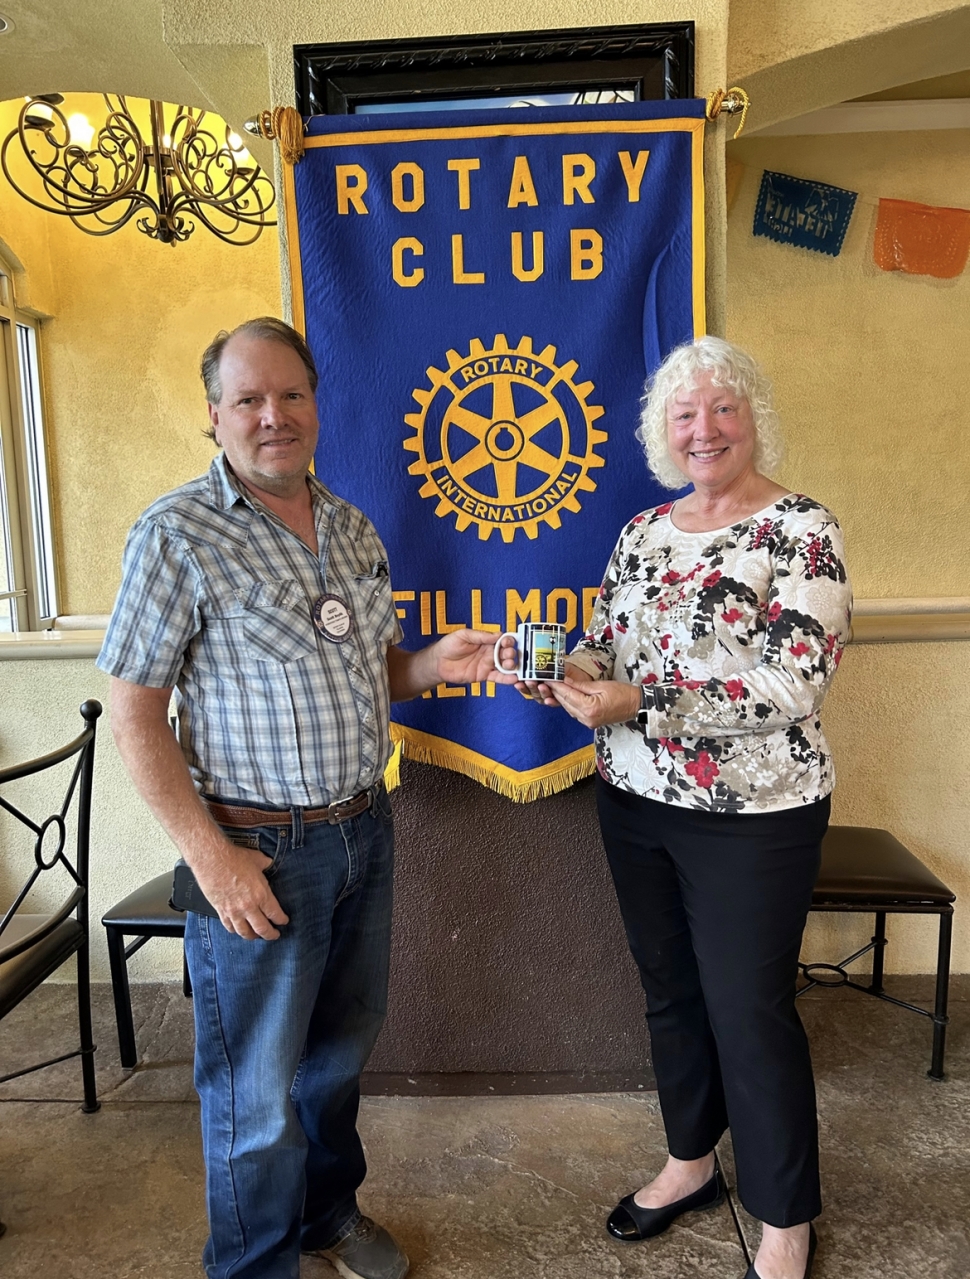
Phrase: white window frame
x=25 y=499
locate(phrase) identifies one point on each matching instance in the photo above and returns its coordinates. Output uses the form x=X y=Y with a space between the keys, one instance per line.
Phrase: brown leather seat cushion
x=22 y=974
x=863 y=865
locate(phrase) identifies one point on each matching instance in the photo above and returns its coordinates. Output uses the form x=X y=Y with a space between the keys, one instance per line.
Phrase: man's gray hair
x=269 y=329
x=729 y=367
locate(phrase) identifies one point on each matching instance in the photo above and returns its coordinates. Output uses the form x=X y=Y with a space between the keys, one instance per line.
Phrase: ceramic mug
x=540 y=651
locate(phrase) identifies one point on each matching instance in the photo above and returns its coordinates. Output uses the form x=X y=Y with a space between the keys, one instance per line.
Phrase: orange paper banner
x=922 y=239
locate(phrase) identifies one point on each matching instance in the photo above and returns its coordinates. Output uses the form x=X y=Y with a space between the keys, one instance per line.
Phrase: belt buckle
x=336 y=817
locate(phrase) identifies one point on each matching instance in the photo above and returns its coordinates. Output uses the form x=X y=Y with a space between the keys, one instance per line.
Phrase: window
x=28 y=598
x=547 y=68
x=579 y=98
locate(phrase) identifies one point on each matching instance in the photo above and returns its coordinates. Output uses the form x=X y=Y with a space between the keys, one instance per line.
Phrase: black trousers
x=714 y=907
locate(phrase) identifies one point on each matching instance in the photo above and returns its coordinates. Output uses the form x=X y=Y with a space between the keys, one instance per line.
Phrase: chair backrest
x=51 y=838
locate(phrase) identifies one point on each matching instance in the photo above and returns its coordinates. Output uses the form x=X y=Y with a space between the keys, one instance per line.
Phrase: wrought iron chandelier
x=182 y=172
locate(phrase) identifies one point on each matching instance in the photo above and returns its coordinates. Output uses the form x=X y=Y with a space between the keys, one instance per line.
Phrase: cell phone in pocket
x=186 y=893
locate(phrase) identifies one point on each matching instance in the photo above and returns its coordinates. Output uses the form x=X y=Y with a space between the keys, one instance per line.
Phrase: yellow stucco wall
x=130 y=318
x=794 y=56
x=869 y=384
x=866 y=363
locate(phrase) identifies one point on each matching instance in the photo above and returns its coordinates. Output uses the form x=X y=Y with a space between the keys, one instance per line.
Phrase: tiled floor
x=484 y=1187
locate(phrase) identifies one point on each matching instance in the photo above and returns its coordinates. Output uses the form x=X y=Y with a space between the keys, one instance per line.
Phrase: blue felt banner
x=811 y=215
x=484 y=293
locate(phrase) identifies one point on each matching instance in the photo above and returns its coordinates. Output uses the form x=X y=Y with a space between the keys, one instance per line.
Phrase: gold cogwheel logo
x=505 y=438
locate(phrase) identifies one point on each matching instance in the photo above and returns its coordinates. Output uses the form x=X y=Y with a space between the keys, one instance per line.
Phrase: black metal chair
x=867 y=870
x=34 y=945
x=143 y=914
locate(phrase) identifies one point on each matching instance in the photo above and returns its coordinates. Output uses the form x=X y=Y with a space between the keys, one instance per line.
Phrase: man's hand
x=597 y=702
x=468 y=657
x=231 y=877
x=461 y=657
x=233 y=880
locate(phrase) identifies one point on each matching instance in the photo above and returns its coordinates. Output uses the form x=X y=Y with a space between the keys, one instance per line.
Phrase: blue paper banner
x=484 y=293
x=811 y=215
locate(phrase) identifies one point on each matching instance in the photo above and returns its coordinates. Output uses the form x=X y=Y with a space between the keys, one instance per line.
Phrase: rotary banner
x=484 y=293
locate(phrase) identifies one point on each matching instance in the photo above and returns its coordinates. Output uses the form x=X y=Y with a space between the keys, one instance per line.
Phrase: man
x=265 y=602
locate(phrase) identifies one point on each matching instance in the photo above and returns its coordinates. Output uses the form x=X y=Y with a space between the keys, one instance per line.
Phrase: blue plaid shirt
x=215 y=601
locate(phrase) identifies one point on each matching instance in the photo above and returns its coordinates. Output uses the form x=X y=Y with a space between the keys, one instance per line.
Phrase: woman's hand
x=541 y=692
x=597 y=702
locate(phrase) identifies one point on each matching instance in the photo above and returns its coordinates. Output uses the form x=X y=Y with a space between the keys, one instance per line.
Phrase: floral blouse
x=739 y=632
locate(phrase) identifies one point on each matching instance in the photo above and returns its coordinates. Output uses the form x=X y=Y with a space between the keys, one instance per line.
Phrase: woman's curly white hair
x=728 y=366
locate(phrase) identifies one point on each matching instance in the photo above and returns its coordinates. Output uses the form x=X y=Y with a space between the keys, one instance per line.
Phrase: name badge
x=333 y=619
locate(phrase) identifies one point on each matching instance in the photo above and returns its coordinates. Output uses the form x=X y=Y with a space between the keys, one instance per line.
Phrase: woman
x=718 y=629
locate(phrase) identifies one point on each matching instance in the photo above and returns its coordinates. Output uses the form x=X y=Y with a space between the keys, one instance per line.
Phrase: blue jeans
x=283 y=1029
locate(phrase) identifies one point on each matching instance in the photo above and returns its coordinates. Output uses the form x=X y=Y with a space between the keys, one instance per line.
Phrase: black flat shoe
x=751 y=1273
x=629 y=1223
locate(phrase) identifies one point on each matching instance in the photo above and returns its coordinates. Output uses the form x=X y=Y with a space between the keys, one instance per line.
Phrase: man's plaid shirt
x=215 y=601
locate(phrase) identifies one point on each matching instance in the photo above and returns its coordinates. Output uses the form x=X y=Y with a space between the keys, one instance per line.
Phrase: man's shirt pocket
x=276 y=621
x=374 y=614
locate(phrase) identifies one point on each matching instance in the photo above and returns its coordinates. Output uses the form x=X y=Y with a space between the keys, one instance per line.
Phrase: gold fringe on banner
x=731 y=101
x=392 y=774
x=425 y=748
x=284 y=125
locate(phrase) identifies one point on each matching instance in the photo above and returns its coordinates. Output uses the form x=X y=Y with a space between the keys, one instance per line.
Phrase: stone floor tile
x=494 y=1187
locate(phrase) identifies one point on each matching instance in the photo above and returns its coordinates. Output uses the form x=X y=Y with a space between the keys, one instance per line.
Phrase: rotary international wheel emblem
x=505 y=438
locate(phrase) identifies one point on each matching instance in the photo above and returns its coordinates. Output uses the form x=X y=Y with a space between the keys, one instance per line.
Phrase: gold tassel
x=732 y=101
x=519 y=792
x=285 y=124
x=392 y=774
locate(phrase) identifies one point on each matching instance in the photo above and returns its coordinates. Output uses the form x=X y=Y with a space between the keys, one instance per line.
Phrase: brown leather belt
x=239 y=816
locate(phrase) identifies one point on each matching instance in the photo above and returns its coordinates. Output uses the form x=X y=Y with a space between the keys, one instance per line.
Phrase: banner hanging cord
x=284 y=125
x=732 y=101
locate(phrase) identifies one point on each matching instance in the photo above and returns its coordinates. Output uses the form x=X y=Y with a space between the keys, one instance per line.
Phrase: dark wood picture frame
x=654 y=60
